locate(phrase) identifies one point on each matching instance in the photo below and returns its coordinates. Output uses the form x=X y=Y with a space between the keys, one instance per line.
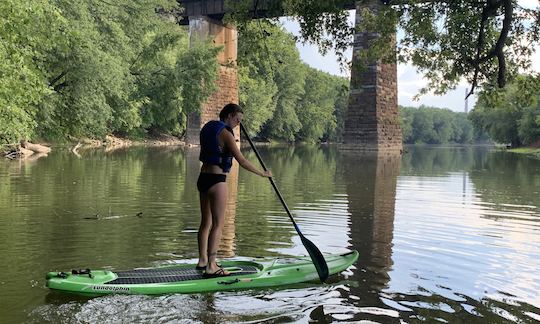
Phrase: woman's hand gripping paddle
x=314 y=253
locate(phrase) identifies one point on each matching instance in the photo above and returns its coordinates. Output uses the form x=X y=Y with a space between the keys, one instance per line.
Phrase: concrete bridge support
x=202 y=28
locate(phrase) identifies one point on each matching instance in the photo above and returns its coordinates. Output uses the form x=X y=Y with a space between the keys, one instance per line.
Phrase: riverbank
x=117 y=141
x=26 y=149
x=532 y=150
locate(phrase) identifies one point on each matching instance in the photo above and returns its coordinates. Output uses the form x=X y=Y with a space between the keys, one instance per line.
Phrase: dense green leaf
x=432 y=125
x=510 y=115
x=90 y=68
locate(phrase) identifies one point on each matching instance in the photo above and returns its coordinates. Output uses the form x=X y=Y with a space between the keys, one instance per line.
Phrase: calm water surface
x=444 y=234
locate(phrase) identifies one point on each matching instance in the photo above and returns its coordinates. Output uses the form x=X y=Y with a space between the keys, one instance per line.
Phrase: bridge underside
x=372 y=120
x=216 y=9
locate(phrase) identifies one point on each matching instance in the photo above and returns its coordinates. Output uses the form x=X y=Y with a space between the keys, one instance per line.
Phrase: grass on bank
x=535 y=151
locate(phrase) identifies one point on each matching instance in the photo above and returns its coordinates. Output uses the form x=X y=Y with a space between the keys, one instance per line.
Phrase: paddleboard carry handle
x=82 y=272
x=229 y=282
x=62 y=275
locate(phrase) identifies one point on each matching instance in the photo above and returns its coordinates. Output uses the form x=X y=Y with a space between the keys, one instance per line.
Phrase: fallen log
x=36 y=148
x=25 y=152
x=20 y=153
x=75 y=148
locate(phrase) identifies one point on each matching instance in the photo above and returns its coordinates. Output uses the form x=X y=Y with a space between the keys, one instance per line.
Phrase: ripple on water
x=452 y=239
x=458 y=245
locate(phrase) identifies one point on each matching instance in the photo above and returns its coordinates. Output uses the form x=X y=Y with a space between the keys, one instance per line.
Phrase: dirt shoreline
x=26 y=150
x=115 y=141
x=111 y=142
x=532 y=150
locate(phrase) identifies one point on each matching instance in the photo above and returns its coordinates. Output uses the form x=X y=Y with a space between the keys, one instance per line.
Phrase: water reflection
x=371 y=190
x=452 y=257
x=445 y=234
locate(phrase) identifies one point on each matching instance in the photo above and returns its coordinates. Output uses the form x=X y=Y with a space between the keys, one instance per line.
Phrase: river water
x=444 y=234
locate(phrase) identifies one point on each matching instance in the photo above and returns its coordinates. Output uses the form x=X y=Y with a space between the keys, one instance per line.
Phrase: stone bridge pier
x=202 y=28
x=372 y=119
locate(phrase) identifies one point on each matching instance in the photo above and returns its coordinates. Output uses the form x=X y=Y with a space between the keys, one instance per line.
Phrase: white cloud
x=530 y=4
x=410 y=82
x=536 y=61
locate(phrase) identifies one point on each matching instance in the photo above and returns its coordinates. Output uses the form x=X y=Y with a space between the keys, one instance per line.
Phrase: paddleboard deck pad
x=184 y=278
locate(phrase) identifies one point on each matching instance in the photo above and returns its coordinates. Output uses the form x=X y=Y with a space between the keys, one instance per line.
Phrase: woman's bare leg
x=218 y=202
x=204 y=229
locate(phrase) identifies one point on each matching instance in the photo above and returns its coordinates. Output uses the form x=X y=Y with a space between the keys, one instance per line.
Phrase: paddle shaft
x=271 y=180
x=316 y=256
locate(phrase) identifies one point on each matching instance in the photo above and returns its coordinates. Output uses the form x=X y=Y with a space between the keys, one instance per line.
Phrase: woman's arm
x=230 y=143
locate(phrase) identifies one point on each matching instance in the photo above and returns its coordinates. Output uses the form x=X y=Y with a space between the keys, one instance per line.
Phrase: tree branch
x=497 y=51
x=60 y=86
x=56 y=79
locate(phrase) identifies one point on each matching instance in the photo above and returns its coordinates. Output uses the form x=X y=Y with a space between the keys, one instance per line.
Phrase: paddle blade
x=316 y=257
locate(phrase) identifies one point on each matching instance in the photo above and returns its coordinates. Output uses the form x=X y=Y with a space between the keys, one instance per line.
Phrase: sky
x=409 y=80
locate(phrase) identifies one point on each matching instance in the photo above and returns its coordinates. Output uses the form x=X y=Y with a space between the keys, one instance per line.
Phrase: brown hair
x=229 y=109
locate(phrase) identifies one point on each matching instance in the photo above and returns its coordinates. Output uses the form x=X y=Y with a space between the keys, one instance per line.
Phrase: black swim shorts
x=207 y=180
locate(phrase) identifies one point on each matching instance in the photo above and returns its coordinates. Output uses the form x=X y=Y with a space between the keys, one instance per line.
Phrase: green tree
x=256 y=73
x=424 y=128
x=340 y=110
x=443 y=122
x=316 y=108
x=289 y=76
x=435 y=126
x=529 y=124
x=485 y=42
x=89 y=68
x=167 y=77
x=406 y=115
x=125 y=68
x=464 y=130
x=283 y=98
x=26 y=41
x=510 y=115
x=278 y=61
x=90 y=76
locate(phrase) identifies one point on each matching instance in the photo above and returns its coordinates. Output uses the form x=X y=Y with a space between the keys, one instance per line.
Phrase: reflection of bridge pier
x=371 y=188
x=228 y=239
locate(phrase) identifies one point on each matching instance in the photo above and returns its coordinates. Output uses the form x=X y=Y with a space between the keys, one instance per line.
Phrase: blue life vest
x=211 y=152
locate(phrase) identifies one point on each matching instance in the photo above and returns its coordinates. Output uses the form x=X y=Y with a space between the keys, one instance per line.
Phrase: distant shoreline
x=531 y=151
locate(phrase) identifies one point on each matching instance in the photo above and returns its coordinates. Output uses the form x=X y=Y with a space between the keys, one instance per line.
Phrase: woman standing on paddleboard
x=218 y=147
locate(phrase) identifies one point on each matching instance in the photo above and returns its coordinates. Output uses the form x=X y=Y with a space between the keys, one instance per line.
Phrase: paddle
x=314 y=253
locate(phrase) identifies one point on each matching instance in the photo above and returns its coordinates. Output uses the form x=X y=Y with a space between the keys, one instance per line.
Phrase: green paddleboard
x=183 y=278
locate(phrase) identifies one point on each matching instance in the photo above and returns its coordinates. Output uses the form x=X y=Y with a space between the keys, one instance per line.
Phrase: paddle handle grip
x=270 y=178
